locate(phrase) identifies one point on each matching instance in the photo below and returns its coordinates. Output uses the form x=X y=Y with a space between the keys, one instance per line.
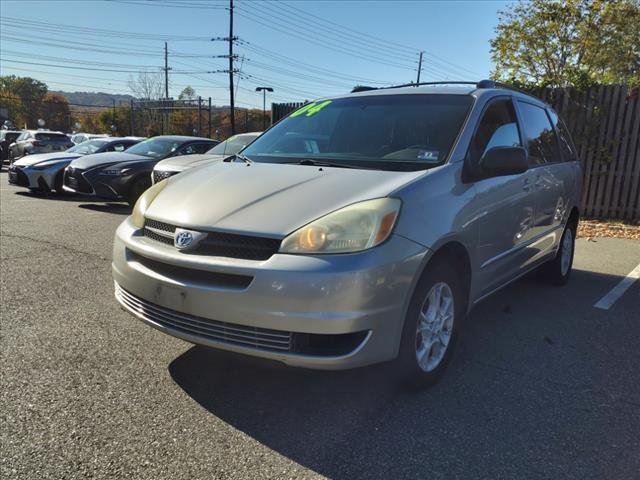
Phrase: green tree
x=31 y=93
x=571 y=42
x=120 y=119
x=188 y=93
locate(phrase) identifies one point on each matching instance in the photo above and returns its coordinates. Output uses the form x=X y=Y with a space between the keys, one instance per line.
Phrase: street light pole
x=264 y=91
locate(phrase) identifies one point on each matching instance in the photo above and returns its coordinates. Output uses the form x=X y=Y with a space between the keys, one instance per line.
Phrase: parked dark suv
x=7 y=137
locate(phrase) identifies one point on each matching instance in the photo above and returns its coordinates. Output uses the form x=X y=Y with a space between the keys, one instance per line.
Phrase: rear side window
x=567 y=148
x=117 y=147
x=497 y=128
x=541 y=138
x=51 y=137
x=201 y=147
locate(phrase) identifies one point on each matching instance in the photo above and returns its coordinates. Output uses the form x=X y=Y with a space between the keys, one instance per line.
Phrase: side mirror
x=501 y=161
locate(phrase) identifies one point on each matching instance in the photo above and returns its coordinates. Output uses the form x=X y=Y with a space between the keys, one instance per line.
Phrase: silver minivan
x=359 y=229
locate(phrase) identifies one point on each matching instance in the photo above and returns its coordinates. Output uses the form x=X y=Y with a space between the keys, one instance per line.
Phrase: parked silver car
x=359 y=229
x=231 y=146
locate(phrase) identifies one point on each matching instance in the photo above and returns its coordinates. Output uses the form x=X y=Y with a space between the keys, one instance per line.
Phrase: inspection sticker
x=429 y=155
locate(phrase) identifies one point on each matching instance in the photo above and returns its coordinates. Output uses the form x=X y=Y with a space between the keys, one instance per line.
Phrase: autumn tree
x=55 y=112
x=570 y=42
x=23 y=98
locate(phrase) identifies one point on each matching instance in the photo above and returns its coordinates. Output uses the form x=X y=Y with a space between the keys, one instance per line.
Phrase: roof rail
x=362 y=88
x=481 y=84
x=420 y=84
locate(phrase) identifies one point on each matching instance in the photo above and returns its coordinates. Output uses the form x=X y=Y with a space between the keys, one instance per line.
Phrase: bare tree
x=146 y=86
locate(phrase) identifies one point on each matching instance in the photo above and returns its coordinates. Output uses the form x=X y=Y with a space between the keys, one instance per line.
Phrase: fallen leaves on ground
x=594 y=228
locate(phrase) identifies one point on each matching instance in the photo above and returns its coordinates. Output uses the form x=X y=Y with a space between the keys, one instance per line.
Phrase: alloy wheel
x=435 y=326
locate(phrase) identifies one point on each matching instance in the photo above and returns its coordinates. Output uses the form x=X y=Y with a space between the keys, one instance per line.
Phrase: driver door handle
x=526 y=185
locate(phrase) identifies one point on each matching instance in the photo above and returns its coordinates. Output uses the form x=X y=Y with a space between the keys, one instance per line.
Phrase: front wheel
x=431 y=326
x=558 y=270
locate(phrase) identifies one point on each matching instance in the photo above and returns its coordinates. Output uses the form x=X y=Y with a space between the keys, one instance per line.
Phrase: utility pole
x=166 y=71
x=419 y=67
x=231 y=99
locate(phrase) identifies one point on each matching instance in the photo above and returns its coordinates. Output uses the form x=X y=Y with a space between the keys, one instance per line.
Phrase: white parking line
x=610 y=298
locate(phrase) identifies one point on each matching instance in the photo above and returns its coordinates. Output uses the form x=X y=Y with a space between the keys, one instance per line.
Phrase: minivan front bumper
x=325 y=312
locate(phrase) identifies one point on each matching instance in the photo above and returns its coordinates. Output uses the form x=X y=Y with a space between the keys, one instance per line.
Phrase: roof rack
x=420 y=84
x=481 y=84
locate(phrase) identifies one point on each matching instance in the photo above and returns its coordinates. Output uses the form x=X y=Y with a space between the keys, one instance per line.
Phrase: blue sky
x=303 y=49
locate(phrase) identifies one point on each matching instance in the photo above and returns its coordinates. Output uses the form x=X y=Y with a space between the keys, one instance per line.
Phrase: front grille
x=218 y=244
x=193 y=275
x=74 y=179
x=159 y=175
x=18 y=177
x=212 y=330
x=232 y=333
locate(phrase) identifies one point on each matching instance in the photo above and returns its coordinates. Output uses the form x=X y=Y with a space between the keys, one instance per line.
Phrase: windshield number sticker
x=310 y=109
x=429 y=155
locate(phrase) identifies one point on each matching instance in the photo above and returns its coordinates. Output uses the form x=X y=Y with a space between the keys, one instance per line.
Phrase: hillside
x=95 y=98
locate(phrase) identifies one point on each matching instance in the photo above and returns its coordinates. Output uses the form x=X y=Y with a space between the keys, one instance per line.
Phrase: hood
x=106 y=158
x=178 y=164
x=29 y=160
x=265 y=198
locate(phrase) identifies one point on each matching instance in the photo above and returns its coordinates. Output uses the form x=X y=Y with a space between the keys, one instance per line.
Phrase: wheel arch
x=574 y=217
x=455 y=253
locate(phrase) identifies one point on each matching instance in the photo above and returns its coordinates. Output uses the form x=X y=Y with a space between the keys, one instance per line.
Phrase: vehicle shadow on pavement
x=115 y=208
x=489 y=413
x=52 y=196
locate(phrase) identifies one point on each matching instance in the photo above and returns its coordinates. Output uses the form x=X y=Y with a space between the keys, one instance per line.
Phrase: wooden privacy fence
x=604 y=121
x=281 y=110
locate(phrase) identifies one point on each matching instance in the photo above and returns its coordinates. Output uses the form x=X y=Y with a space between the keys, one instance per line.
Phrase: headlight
x=114 y=171
x=354 y=228
x=141 y=206
x=49 y=163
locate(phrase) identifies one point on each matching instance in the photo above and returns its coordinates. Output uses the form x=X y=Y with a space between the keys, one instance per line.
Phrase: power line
x=57 y=28
x=356 y=32
x=316 y=28
x=49 y=42
x=333 y=47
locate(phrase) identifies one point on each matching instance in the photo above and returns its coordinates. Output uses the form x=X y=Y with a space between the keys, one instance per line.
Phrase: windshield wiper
x=320 y=163
x=239 y=156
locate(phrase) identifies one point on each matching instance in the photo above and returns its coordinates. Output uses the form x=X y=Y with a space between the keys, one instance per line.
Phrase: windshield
x=232 y=145
x=52 y=137
x=155 y=147
x=394 y=132
x=88 y=147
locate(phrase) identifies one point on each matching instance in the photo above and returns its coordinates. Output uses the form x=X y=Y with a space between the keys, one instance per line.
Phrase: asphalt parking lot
x=544 y=385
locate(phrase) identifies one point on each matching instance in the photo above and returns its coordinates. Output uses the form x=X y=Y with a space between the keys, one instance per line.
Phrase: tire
x=558 y=270
x=57 y=183
x=409 y=370
x=137 y=188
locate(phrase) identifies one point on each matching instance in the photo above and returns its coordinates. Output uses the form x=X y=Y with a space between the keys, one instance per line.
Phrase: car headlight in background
x=141 y=206
x=49 y=163
x=353 y=228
